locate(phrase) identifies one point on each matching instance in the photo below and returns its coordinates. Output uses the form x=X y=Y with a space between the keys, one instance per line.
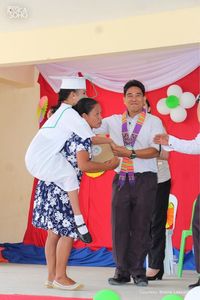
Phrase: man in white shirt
x=134 y=185
x=171 y=143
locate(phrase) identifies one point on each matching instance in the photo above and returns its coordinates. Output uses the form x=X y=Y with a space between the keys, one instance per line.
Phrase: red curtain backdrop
x=95 y=194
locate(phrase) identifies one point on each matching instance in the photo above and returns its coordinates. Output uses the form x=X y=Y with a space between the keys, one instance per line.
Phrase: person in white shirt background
x=134 y=185
x=171 y=143
x=156 y=252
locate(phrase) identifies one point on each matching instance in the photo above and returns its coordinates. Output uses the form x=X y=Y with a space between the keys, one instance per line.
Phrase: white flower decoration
x=72 y=147
x=64 y=199
x=50 y=225
x=56 y=190
x=66 y=223
x=176 y=103
x=58 y=216
x=52 y=201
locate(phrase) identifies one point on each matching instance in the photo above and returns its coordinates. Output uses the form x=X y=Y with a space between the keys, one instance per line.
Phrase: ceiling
x=46 y=13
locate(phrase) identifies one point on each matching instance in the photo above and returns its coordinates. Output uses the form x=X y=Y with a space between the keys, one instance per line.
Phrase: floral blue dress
x=52 y=209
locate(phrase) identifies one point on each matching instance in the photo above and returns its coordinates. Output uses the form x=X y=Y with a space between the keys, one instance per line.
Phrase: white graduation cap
x=77 y=83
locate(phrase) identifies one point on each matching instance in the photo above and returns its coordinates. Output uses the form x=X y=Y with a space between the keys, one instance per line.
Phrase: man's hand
x=162 y=139
x=120 y=151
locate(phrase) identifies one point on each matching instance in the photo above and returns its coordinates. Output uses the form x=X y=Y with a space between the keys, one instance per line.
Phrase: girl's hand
x=112 y=163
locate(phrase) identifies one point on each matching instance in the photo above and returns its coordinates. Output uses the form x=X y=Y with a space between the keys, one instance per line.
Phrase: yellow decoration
x=170 y=216
x=95 y=174
x=42 y=108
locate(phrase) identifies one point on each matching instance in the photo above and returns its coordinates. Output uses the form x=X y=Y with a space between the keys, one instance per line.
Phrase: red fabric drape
x=95 y=194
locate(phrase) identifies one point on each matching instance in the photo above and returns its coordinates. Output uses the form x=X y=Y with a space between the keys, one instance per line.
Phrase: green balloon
x=172 y=297
x=172 y=101
x=106 y=295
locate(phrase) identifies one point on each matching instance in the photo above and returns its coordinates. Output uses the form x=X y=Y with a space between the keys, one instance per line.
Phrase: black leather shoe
x=140 y=280
x=158 y=276
x=191 y=286
x=86 y=238
x=119 y=280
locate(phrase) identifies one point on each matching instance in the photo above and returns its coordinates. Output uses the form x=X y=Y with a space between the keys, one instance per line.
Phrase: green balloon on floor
x=172 y=297
x=106 y=295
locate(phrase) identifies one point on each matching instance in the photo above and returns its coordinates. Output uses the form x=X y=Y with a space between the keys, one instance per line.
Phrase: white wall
x=18 y=124
x=170 y=28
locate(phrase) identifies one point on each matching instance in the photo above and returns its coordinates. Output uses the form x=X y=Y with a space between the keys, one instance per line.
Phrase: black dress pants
x=196 y=234
x=131 y=217
x=156 y=253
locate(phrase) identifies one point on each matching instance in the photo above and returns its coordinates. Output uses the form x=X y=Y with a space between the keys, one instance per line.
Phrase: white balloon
x=178 y=114
x=175 y=90
x=162 y=107
x=187 y=100
x=193 y=294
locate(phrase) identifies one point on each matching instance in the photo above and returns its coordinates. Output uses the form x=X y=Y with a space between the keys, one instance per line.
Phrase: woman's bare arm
x=86 y=165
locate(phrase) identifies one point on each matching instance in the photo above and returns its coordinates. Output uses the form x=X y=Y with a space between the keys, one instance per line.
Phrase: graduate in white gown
x=43 y=158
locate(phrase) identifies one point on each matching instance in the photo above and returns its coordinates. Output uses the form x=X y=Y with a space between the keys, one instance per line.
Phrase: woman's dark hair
x=136 y=83
x=62 y=96
x=85 y=105
x=148 y=104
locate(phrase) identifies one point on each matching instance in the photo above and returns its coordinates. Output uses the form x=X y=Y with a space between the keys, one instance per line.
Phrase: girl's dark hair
x=85 y=105
x=136 y=83
x=62 y=96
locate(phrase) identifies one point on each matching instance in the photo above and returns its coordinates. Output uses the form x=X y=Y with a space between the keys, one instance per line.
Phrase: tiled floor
x=29 y=279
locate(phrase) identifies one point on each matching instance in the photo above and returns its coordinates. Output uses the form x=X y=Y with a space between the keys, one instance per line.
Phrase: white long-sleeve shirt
x=183 y=146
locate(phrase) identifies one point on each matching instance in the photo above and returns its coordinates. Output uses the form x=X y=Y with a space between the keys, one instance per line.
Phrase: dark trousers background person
x=156 y=253
x=196 y=239
x=131 y=218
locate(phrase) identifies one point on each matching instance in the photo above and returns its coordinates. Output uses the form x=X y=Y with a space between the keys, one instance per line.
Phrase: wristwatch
x=133 y=154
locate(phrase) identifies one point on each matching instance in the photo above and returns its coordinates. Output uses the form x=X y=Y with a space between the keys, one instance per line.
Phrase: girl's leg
x=63 y=251
x=50 y=253
x=74 y=200
x=80 y=223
